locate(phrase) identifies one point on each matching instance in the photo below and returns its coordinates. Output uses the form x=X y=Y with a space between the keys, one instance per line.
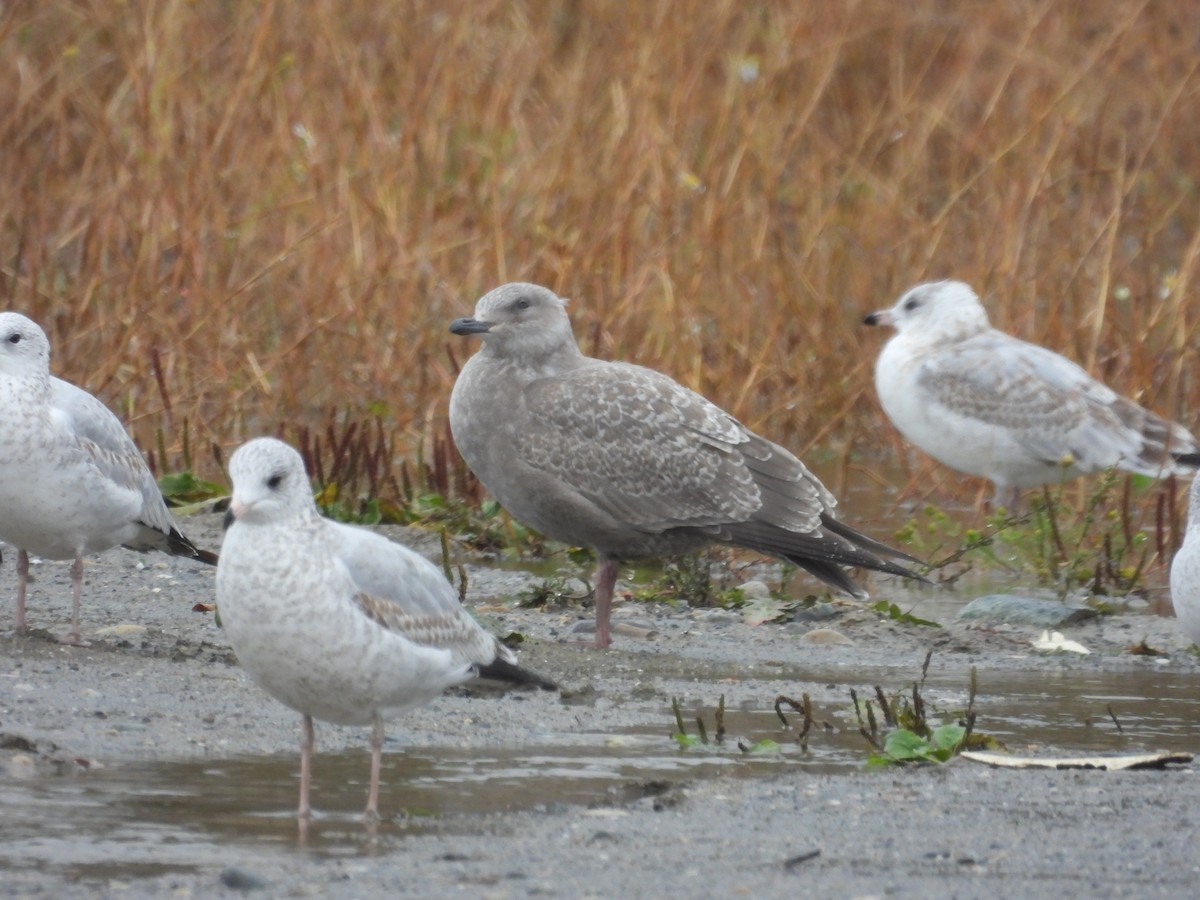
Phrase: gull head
x=520 y=321
x=24 y=349
x=269 y=482
x=938 y=310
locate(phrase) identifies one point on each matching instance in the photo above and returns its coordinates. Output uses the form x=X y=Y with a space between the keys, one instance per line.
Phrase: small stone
x=126 y=629
x=240 y=880
x=716 y=617
x=605 y=812
x=20 y=767
x=826 y=637
x=1012 y=609
x=639 y=628
x=755 y=590
x=821 y=612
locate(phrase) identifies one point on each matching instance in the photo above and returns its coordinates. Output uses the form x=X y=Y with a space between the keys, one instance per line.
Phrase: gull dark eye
x=15 y=337
x=523 y=303
x=911 y=305
x=275 y=481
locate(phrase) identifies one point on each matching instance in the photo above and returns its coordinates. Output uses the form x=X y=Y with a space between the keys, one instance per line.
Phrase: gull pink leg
x=372 y=813
x=76 y=592
x=22 y=582
x=1008 y=497
x=606 y=580
x=306 y=754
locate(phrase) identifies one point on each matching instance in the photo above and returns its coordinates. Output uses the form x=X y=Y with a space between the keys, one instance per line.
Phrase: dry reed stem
x=285 y=204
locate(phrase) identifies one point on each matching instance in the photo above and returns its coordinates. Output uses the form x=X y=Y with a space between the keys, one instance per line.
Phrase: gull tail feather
x=178 y=545
x=511 y=674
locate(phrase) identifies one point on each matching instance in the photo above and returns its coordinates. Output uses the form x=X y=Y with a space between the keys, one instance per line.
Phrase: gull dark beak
x=469 y=326
x=879 y=317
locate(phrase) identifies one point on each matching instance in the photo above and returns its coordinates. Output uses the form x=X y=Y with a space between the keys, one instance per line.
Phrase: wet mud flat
x=146 y=764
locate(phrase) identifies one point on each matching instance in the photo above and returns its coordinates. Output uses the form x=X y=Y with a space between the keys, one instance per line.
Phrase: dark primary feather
x=179 y=545
x=840 y=528
x=173 y=542
x=819 y=552
x=512 y=674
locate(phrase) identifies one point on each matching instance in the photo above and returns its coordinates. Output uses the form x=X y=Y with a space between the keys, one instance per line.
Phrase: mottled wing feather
x=658 y=456
x=458 y=632
x=791 y=497
x=391 y=571
x=100 y=437
x=1049 y=404
x=404 y=592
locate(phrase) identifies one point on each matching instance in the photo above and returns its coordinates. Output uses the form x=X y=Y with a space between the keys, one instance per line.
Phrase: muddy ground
x=157 y=690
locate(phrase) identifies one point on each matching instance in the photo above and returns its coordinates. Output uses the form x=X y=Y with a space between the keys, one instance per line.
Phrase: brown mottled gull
x=625 y=460
x=335 y=621
x=989 y=404
x=72 y=481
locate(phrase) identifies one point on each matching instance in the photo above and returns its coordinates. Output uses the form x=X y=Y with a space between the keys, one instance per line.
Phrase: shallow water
x=141 y=819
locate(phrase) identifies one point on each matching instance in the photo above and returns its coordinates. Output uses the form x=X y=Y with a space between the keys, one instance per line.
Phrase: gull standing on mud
x=1185 y=569
x=625 y=460
x=989 y=404
x=335 y=621
x=72 y=481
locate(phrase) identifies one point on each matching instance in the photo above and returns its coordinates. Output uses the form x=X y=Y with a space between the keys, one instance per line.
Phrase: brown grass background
x=288 y=202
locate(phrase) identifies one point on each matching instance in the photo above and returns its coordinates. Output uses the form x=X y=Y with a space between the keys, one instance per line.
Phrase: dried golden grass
x=286 y=203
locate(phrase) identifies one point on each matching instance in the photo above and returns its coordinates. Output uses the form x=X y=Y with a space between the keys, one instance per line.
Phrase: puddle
x=141 y=819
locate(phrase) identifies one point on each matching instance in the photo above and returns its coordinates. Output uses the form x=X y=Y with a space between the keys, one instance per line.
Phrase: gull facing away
x=1185 y=569
x=627 y=461
x=335 y=621
x=72 y=481
x=989 y=404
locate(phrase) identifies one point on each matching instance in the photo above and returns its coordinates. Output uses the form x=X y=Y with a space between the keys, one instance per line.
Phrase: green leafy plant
x=701 y=740
x=904 y=746
x=552 y=592
x=711 y=578
x=896 y=614
x=911 y=738
x=184 y=488
x=690 y=578
x=952 y=548
x=1102 y=541
x=1098 y=545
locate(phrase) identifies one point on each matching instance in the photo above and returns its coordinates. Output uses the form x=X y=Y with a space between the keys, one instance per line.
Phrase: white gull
x=625 y=460
x=72 y=481
x=336 y=621
x=1185 y=570
x=989 y=404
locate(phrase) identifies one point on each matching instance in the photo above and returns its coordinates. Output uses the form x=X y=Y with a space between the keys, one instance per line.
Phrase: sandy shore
x=158 y=687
